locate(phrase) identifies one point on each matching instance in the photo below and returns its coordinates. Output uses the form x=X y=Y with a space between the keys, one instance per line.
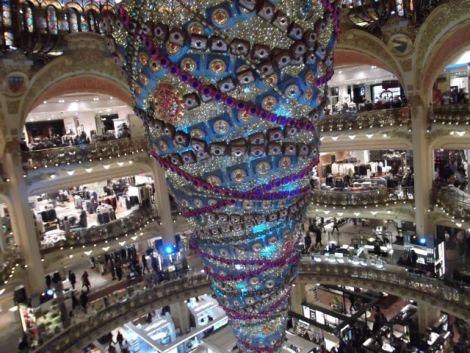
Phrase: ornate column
x=22 y=219
x=180 y=314
x=298 y=297
x=422 y=165
x=162 y=200
x=428 y=315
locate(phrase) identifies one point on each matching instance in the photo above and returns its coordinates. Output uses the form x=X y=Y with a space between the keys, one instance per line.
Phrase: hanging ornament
x=230 y=93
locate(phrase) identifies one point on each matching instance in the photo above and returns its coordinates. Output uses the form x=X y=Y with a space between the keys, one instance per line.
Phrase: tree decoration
x=230 y=92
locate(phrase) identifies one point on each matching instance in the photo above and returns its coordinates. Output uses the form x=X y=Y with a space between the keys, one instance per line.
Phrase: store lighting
x=61 y=101
x=52 y=176
x=460 y=133
x=71 y=172
x=106 y=166
x=88 y=253
x=89 y=170
x=334 y=138
x=373 y=212
x=422 y=241
x=120 y=164
x=96 y=99
x=106 y=248
x=352 y=137
x=385 y=135
x=369 y=136
x=45 y=102
x=458 y=224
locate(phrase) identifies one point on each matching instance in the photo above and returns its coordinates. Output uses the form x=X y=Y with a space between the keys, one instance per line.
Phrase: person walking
x=119 y=271
x=145 y=266
x=72 y=279
x=74 y=300
x=120 y=339
x=84 y=300
x=86 y=281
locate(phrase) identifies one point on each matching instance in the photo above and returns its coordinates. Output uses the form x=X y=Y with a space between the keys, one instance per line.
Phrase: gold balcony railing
x=361 y=198
x=452 y=114
x=391 y=279
x=372 y=119
x=454 y=201
x=116 y=229
x=80 y=154
x=121 y=307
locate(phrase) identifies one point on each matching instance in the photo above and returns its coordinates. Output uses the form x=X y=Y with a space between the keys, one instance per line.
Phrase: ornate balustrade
x=10 y=262
x=114 y=230
x=453 y=201
x=452 y=114
x=365 y=120
x=361 y=198
x=396 y=280
x=122 y=307
x=98 y=151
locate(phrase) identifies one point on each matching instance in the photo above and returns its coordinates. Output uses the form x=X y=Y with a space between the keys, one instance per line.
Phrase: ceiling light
x=106 y=166
x=52 y=176
x=88 y=253
x=95 y=99
x=45 y=102
x=385 y=135
x=120 y=164
x=334 y=138
x=70 y=172
x=89 y=170
x=61 y=100
x=369 y=136
x=352 y=137
x=460 y=133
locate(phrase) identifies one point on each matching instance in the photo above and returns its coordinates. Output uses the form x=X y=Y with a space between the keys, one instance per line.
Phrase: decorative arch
x=85 y=67
x=441 y=38
x=359 y=47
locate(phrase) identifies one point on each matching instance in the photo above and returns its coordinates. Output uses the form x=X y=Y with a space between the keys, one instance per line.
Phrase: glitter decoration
x=230 y=93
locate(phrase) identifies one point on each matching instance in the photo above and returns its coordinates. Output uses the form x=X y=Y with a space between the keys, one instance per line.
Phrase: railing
x=98 y=151
x=11 y=261
x=391 y=279
x=365 y=120
x=115 y=229
x=454 y=201
x=119 y=309
x=374 y=13
x=452 y=114
x=360 y=198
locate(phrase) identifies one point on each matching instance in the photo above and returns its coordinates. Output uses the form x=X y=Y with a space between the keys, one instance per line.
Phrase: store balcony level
x=396 y=280
x=84 y=155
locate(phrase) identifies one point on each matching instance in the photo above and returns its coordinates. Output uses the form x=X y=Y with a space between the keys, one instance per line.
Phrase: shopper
x=72 y=279
x=86 y=281
x=74 y=300
x=119 y=271
x=335 y=226
x=120 y=339
x=66 y=224
x=145 y=266
x=84 y=300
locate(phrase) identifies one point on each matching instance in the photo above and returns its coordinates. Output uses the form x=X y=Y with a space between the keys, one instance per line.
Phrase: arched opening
x=363 y=87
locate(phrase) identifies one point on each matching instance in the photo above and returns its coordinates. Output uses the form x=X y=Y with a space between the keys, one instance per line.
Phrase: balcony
x=453 y=202
x=377 y=276
x=372 y=119
x=362 y=198
x=83 y=154
x=451 y=115
x=117 y=229
x=122 y=307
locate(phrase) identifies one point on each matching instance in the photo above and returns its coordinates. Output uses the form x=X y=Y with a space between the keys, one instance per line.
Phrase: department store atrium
x=234 y=176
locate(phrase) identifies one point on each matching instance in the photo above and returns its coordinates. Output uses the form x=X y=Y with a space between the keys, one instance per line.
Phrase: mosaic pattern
x=230 y=92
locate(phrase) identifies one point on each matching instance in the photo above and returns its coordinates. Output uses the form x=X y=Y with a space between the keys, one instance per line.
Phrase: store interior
x=61 y=213
x=362 y=170
x=78 y=119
